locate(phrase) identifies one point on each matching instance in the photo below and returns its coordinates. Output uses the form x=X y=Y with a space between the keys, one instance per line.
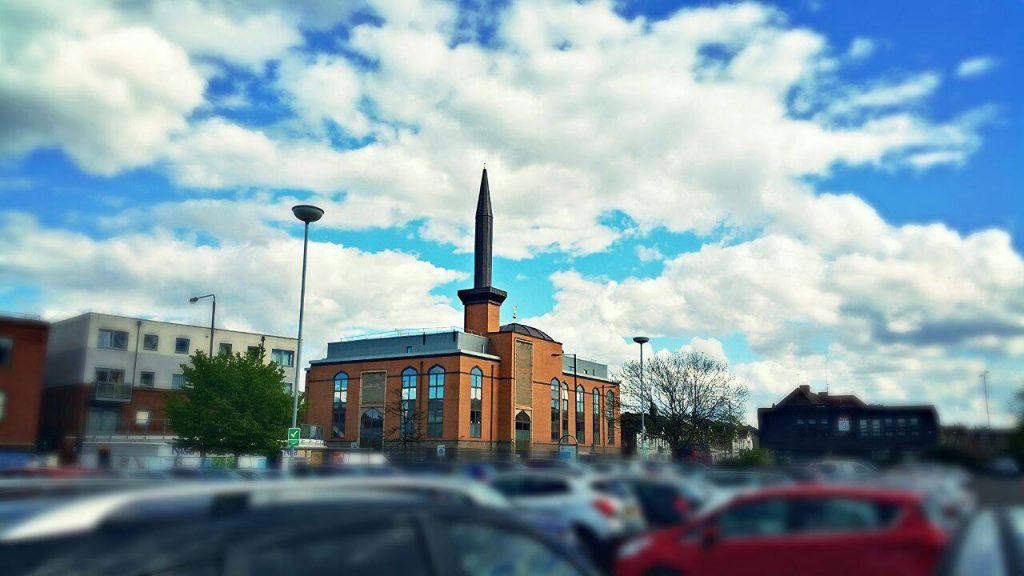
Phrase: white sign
x=843 y=423
x=567 y=452
x=440 y=450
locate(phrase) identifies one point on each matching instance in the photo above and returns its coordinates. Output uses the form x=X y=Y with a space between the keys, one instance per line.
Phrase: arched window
x=555 y=386
x=371 y=429
x=565 y=409
x=609 y=408
x=435 y=402
x=522 y=430
x=595 y=419
x=408 y=423
x=340 y=404
x=581 y=406
x=476 y=397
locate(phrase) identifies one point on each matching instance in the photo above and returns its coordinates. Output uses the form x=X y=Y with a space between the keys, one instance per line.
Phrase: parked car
x=601 y=509
x=992 y=542
x=795 y=531
x=665 y=501
x=209 y=530
x=205 y=474
x=1003 y=466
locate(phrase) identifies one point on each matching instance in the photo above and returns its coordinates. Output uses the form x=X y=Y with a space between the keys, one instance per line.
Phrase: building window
x=340 y=404
x=6 y=351
x=142 y=418
x=408 y=424
x=3 y=405
x=863 y=426
x=476 y=401
x=565 y=410
x=181 y=345
x=150 y=342
x=610 y=410
x=253 y=350
x=435 y=402
x=581 y=406
x=408 y=349
x=371 y=429
x=555 y=416
x=113 y=339
x=876 y=427
x=224 y=348
x=109 y=376
x=283 y=358
x=522 y=429
x=177 y=381
x=595 y=417
x=147 y=379
x=102 y=421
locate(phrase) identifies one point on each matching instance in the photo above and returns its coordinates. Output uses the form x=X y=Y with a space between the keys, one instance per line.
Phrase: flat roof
x=200 y=326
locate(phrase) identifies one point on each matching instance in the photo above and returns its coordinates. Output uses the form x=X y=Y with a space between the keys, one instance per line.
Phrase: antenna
x=515 y=312
x=984 y=383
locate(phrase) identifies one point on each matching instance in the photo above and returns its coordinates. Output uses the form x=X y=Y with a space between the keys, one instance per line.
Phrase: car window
x=979 y=551
x=760 y=518
x=613 y=488
x=842 y=515
x=486 y=550
x=545 y=487
x=508 y=486
x=391 y=549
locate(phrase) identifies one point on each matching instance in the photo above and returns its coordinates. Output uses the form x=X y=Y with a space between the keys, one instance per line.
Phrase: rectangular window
x=181 y=345
x=177 y=381
x=253 y=350
x=476 y=383
x=6 y=351
x=102 y=421
x=150 y=342
x=113 y=339
x=142 y=417
x=147 y=380
x=283 y=358
x=225 y=348
x=109 y=376
x=876 y=427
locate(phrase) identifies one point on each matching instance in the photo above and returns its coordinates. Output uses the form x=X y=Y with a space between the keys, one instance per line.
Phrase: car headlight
x=634 y=547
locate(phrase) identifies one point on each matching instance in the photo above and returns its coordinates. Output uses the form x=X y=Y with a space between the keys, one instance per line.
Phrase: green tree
x=231 y=404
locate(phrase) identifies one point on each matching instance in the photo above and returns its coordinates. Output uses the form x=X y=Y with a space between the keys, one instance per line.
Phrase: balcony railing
x=113 y=392
x=152 y=428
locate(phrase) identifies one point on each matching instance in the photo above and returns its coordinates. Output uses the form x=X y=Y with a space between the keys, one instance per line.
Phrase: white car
x=843 y=470
x=601 y=509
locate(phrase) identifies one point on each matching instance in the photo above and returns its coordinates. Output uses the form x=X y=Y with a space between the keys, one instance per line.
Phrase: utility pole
x=988 y=417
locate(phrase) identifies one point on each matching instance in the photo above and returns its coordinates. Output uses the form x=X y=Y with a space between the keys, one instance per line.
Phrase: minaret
x=483 y=301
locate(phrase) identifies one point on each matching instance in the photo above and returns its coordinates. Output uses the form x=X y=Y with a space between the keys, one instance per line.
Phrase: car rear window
x=613 y=488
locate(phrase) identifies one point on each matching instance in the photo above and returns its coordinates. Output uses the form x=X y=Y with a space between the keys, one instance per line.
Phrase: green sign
x=293 y=437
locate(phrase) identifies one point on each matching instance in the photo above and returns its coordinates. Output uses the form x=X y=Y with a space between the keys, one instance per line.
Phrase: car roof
x=833 y=491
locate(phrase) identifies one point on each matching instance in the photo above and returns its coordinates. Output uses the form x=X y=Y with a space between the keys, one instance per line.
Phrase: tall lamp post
x=213 y=315
x=306 y=214
x=641 y=340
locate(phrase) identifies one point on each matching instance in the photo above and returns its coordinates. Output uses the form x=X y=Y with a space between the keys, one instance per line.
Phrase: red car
x=796 y=530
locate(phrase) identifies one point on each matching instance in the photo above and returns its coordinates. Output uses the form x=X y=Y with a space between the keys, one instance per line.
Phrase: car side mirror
x=709 y=535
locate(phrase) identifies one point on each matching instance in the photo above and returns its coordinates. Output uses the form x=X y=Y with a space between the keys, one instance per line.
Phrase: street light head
x=307 y=213
x=641 y=340
x=194 y=299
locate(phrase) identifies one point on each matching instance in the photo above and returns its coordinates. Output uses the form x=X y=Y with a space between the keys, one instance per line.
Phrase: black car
x=664 y=502
x=227 y=534
x=991 y=543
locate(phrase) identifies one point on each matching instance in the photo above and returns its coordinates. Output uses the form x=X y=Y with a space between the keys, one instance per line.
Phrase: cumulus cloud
x=973 y=67
x=153 y=273
x=860 y=48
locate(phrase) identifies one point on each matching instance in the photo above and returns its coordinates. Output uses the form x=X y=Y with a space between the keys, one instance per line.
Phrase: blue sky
x=808 y=189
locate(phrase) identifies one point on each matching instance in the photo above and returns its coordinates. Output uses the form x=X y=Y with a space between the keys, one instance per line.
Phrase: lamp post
x=641 y=340
x=306 y=214
x=213 y=315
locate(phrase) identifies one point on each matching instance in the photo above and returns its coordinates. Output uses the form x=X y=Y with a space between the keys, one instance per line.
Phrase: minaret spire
x=483 y=302
x=484 y=240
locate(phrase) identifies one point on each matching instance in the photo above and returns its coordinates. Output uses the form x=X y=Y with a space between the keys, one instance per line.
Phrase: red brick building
x=484 y=389
x=22 y=363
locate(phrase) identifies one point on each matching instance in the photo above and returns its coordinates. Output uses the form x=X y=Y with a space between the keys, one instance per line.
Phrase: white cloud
x=974 y=67
x=860 y=48
x=648 y=253
x=710 y=347
x=111 y=95
x=256 y=280
x=911 y=90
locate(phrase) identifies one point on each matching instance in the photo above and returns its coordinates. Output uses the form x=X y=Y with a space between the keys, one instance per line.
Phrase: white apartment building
x=107 y=377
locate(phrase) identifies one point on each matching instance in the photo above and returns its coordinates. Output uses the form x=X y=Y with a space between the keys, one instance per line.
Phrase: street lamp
x=213 y=315
x=306 y=214
x=641 y=340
